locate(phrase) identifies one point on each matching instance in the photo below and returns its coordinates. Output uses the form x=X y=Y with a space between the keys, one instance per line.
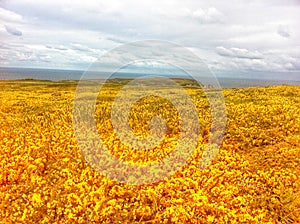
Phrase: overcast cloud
x=246 y=37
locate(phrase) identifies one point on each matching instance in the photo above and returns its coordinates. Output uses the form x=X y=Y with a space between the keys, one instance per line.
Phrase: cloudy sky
x=244 y=38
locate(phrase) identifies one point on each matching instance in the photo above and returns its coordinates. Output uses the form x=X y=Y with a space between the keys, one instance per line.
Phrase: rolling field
x=44 y=178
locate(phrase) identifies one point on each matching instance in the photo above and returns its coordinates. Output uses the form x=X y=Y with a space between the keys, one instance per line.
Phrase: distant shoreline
x=59 y=75
x=125 y=80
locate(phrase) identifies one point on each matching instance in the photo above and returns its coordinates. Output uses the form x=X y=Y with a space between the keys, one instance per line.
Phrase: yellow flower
x=36 y=198
x=210 y=218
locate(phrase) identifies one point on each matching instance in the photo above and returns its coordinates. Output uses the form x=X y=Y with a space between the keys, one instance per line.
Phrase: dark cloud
x=13 y=30
x=238 y=53
x=116 y=40
x=58 y=47
x=4 y=46
x=80 y=47
x=283 y=31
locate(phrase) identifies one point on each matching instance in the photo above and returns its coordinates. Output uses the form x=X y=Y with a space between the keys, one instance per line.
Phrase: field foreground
x=44 y=178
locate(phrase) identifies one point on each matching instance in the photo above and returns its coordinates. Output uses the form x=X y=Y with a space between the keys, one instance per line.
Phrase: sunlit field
x=44 y=178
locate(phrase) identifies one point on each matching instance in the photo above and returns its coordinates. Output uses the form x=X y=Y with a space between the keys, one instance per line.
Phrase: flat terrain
x=44 y=177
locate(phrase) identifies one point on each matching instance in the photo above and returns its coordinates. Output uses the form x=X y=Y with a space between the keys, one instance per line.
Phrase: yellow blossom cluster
x=44 y=178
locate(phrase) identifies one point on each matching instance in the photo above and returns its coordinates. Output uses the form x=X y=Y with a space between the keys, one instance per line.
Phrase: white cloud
x=9 y=16
x=205 y=15
x=209 y=15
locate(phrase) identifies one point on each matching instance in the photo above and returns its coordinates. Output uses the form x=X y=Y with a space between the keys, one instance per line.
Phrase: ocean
x=58 y=74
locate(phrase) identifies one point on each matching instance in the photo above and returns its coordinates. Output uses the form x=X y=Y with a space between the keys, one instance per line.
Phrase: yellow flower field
x=44 y=178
